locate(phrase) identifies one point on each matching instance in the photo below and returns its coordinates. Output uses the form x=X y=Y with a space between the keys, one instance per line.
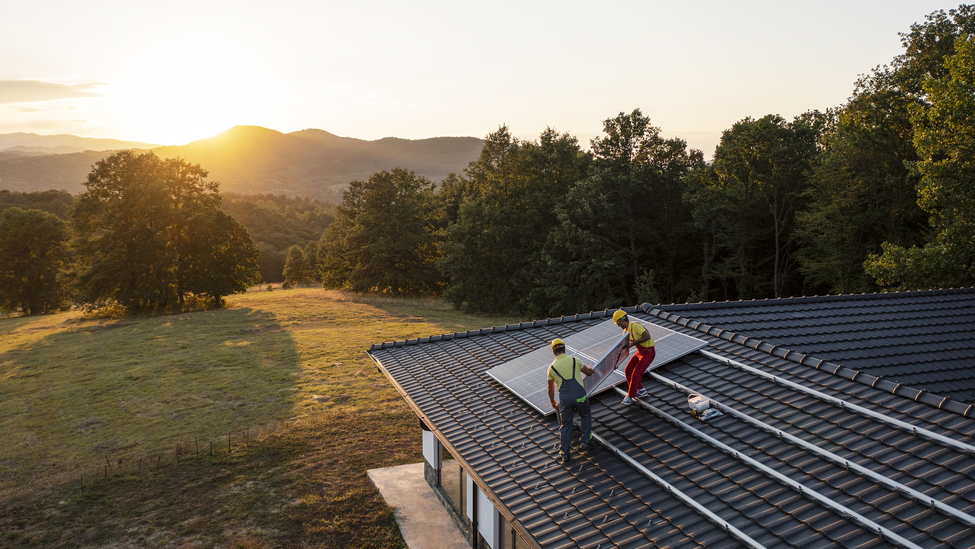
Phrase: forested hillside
x=56 y=202
x=276 y=223
x=64 y=172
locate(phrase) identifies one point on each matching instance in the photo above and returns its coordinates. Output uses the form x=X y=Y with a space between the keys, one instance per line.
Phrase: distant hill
x=55 y=172
x=251 y=159
x=60 y=144
x=21 y=150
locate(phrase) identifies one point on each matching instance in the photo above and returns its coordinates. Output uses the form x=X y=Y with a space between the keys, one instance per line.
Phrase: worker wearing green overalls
x=566 y=372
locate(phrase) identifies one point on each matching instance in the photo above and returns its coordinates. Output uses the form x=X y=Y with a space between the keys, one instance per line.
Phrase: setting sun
x=189 y=92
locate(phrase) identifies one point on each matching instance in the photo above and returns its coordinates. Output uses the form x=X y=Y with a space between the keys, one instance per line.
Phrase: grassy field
x=250 y=426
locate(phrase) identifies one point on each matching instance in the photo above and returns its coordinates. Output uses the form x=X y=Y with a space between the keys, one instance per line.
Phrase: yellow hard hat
x=557 y=343
x=618 y=315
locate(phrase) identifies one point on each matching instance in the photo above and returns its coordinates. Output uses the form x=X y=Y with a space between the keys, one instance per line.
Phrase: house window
x=453 y=481
x=509 y=538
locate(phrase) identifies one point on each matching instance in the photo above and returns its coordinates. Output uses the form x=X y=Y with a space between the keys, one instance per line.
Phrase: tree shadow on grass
x=113 y=392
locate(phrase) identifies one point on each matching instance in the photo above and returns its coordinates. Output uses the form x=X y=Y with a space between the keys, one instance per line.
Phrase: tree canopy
x=505 y=210
x=297 y=268
x=945 y=142
x=383 y=238
x=56 y=202
x=148 y=234
x=754 y=188
x=33 y=256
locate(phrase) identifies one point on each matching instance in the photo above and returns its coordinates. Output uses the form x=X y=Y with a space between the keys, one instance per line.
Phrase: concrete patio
x=422 y=518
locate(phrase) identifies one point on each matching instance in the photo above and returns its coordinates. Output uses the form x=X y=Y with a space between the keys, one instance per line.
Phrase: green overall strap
x=583 y=397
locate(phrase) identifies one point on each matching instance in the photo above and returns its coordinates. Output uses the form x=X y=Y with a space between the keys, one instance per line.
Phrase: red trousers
x=635 y=368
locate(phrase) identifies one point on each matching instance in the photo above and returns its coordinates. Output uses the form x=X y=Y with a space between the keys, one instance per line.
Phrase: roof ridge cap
x=815 y=298
x=552 y=321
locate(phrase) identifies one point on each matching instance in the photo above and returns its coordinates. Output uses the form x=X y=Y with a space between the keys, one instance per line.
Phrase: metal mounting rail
x=830 y=456
x=673 y=490
x=843 y=511
x=903 y=425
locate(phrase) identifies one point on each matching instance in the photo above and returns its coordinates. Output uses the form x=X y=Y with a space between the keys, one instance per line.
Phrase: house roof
x=922 y=339
x=808 y=453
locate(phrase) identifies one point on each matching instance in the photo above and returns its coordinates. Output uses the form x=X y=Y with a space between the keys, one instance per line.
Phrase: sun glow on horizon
x=370 y=70
x=190 y=92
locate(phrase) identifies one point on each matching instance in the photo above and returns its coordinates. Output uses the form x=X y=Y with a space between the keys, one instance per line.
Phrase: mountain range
x=33 y=144
x=249 y=159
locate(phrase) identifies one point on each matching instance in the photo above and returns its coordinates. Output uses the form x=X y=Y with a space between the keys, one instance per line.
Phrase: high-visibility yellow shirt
x=563 y=363
x=636 y=331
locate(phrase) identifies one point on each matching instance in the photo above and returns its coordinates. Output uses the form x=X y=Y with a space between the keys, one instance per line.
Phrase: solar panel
x=602 y=345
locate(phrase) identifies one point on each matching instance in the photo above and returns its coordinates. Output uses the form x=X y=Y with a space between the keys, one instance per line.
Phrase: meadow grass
x=129 y=403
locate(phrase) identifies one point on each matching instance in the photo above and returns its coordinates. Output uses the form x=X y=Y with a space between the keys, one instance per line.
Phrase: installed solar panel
x=602 y=345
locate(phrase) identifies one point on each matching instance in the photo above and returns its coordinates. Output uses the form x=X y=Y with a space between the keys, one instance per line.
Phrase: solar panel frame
x=598 y=347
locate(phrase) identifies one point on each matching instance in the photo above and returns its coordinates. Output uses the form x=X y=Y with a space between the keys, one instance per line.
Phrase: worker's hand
x=553 y=403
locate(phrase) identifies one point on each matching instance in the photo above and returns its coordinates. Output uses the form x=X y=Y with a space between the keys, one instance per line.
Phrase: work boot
x=627 y=400
x=642 y=393
x=564 y=458
x=586 y=444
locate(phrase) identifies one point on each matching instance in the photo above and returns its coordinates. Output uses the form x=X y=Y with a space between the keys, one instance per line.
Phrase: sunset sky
x=176 y=71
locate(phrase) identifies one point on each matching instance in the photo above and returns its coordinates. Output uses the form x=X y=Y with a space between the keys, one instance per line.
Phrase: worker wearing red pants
x=642 y=343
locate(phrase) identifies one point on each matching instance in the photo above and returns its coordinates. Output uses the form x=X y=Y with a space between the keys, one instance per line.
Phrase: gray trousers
x=567 y=410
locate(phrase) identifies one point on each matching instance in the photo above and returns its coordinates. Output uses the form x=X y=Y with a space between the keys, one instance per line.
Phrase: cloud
x=33 y=91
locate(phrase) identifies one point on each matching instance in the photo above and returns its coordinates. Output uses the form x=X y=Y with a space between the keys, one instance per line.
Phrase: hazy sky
x=175 y=71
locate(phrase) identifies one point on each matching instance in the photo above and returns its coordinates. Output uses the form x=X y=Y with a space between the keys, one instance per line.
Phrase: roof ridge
x=878 y=382
x=815 y=299
x=507 y=327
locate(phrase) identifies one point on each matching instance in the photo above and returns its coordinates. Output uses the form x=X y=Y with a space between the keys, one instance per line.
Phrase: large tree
x=144 y=228
x=706 y=204
x=622 y=229
x=583 y=266
x=221 y=259
x=759 y=176
x=945 y=140
x=297 y=267
x=384 y=238
x=863 y=190
x=33 y=255
x=642 y=175
x=860 y=194
x=271 y=262
x=505 y=208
